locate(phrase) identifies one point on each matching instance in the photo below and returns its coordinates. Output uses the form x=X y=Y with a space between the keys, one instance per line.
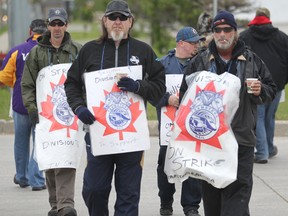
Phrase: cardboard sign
x=59 y=138
x=121 y=122
x=203 y=145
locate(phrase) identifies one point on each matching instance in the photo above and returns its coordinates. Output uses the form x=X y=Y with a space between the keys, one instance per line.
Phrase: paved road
x=270 y=193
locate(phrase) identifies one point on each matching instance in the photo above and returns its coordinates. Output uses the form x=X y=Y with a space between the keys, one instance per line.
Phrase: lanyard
x=103 y=53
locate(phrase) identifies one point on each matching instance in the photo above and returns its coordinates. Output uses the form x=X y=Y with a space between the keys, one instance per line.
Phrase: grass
x=281 y=114
x=4 y=103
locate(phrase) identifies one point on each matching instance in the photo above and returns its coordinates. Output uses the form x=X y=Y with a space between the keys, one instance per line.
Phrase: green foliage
x=3 y=29
x=282 y=111
x=163 y=18
x=151 y=112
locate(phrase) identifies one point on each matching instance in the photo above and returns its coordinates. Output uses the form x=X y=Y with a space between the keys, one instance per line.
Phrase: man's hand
x=128 y=84
x=85 y=115
x=34 y=118
x=173 y=101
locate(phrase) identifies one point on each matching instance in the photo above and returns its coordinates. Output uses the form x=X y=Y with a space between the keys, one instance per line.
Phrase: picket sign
x=203 y=145
x=121 y=122
x=59 y=136
x=173 y=83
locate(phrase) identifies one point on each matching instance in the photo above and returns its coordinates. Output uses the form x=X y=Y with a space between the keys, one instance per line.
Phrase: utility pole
x=20 y=15
x=215 y=7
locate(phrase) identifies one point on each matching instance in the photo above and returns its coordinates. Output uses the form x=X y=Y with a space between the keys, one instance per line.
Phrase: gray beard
x=117 y=36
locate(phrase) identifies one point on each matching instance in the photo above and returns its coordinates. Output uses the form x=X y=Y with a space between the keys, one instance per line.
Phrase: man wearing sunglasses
x=187 y=46
x=54 y=47
x=226 y=53
x=113 y=49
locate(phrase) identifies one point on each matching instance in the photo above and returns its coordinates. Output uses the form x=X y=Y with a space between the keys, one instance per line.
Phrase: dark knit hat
x=224 y=17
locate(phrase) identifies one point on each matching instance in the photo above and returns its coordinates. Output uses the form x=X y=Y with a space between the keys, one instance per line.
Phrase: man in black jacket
x=226 y=53
x=115 y=48
x=271 y=45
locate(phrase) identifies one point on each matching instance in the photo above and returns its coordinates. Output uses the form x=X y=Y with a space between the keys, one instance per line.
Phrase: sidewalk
x=270 y=193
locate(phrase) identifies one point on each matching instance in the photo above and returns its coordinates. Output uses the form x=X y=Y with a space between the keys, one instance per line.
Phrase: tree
x=166 y=16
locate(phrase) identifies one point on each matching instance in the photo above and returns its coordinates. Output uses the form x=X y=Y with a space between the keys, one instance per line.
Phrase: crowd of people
x=128 y=74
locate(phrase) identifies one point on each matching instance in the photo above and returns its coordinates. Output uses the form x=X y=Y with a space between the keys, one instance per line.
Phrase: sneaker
x=39 y=188
x=67 y=211
x=260 y=161
x=53 y=212
x=274 y=152
x=166 y=211
x=22 y=185
x=192 y=212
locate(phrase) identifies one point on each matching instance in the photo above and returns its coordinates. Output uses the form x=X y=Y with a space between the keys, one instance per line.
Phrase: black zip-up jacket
x=95 y=54
x=271 y=45
x=247 y=64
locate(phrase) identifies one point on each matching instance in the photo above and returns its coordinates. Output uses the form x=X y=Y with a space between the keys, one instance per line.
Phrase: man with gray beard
x=226 y=53
x=114 y=48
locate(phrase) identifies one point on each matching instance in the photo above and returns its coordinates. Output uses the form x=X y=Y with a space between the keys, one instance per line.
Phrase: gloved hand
x=34 y=118
x=128 y=84
x=85 y=115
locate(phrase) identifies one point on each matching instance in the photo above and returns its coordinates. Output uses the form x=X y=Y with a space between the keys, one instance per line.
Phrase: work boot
x=53 y=212
x=67 y=211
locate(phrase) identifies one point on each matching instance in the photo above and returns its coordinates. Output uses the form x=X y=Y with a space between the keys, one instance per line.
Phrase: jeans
x=27 y=170
x=265 y=128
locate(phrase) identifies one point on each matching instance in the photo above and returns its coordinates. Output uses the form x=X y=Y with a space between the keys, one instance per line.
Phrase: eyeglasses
x=225 y=29
x=114 y=17
x=60 y=24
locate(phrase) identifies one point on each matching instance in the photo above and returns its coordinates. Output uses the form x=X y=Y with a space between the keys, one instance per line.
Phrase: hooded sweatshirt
x=271 y=45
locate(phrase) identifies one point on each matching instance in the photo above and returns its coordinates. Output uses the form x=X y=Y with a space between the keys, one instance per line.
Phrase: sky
x=278 y=10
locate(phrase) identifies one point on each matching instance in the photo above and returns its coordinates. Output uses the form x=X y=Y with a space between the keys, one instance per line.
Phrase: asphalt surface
x=269 y=197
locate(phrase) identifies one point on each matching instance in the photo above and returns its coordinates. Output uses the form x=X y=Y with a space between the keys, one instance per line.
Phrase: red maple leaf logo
x=100 y=115
x=183 y=113
x=170 y=112
x=47 y=111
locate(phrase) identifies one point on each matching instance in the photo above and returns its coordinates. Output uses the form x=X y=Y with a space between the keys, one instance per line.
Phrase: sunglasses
x=53 y=24
x=225 y=29
x=114 y=17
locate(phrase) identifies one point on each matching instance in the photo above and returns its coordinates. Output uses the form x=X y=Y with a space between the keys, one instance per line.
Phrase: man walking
x=54 y=47
x=187 y=45
x=271 y=45
x=27 y=171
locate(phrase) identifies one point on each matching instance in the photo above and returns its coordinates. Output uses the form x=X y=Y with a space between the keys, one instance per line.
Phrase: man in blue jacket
x=27 y=171
x=187 y=45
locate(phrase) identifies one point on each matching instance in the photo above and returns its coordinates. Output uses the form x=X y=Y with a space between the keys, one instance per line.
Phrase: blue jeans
x=27 y=170
x=265 y=128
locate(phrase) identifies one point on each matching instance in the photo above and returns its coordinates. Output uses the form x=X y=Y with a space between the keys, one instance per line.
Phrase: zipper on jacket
x=116 y=57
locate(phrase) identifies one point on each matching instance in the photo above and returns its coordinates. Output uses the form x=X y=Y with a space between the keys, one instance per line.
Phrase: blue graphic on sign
x=118 y=115
x=61 y=110
x=203 y=120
